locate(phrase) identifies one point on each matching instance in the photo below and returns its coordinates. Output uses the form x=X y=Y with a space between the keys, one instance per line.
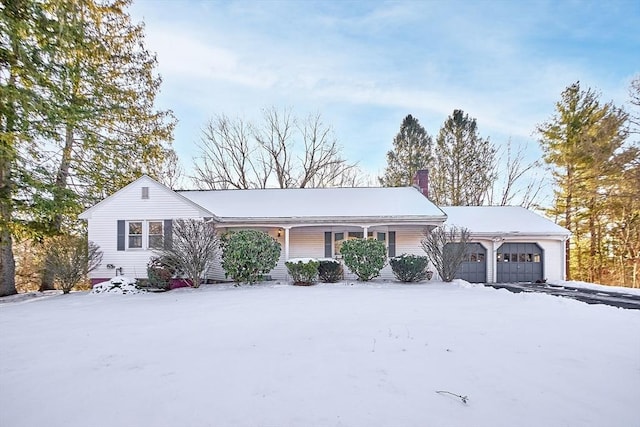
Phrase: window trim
x=329 y=239
x=129 y=235
x=145 y=246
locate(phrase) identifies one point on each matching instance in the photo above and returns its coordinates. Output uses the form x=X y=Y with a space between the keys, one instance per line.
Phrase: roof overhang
x=334 y=220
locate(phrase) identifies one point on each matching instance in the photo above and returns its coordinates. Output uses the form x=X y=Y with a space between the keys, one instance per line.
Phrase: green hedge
x=410 y=268
x=330 y=271
x=303 y=273
x=364 y=257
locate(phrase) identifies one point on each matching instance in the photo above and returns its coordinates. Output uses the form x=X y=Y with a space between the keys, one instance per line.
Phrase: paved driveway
x=590 y=296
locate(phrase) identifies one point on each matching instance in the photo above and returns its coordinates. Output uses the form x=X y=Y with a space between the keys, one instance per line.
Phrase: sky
x=365 y=65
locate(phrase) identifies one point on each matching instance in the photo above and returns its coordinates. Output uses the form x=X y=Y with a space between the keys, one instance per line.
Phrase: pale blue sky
x=365 y=65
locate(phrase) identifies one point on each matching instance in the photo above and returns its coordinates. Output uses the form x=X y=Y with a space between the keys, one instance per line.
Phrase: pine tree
x=584 y=145
x=109 y=131
x=464 y=163
x=23 y=23
x=412 y=148
x=77 y=115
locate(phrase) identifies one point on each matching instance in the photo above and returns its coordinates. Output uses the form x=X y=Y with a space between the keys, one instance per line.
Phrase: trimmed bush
x=330 y=271
x=364 y=257
x=248 y=254
x=71 y=258
x=303 y=273
x=410 y=268
x=160 y=271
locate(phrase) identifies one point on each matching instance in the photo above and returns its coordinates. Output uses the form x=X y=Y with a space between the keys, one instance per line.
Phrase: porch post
x=286 y=243
x=365 y=232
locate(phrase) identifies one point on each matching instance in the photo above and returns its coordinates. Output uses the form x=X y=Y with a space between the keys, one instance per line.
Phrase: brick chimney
x=421 y=181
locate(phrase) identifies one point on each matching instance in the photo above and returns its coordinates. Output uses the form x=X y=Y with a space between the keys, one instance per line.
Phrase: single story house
x=313 y=222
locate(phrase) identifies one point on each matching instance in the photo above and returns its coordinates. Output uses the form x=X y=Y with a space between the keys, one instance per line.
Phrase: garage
x=519 y=262
x=474 y=266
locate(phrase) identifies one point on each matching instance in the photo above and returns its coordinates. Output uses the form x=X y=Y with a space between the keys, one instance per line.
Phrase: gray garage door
x=519 y=262
x=474 y=267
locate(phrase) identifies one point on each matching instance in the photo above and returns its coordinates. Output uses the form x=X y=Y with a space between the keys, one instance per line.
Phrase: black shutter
x=392 y=244
x=168 y=233
x=327 y=245
x=121 y=235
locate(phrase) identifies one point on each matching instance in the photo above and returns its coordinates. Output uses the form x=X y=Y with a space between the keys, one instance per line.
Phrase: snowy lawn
x=328 y=355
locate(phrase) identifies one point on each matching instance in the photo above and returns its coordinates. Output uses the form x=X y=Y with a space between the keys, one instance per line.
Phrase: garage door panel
x=519 y=262
x=474 y=268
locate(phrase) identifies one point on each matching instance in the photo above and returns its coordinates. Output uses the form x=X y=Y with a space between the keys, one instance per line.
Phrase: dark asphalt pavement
x=590 y=296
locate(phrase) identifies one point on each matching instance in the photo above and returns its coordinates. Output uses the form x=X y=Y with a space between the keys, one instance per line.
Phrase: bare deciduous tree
x=445 y=248
x=282 y=151
x=170 y=172
x=194 y=244
x=520 y=184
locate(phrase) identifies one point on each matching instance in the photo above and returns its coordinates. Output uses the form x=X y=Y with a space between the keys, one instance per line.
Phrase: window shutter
x=392 y=244
x=121 y=235
x=327 y=244
x=168 y=233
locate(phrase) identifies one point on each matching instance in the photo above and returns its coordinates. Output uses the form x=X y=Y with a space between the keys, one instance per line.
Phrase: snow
x=347 y=354
x=496 y=220
x=596 y=287
x=400 y=202
x=117 y=285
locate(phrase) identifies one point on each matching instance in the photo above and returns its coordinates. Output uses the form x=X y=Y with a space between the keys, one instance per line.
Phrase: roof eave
x=429 y=220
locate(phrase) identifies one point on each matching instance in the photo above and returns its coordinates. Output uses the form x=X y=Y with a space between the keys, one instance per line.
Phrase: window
x=333 y=240
x=392 y=244
x=135 y=234
x=338 y=238
x=156 y=235
x=145 y=192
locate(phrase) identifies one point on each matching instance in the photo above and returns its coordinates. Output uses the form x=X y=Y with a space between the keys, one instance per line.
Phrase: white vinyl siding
x=128 y=206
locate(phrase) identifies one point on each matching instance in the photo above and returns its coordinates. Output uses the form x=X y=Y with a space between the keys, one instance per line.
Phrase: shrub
x=330 y=270
x=248 y=254
x=160 y=271
x=446 y=248
x=410 y=268
x=71 y=258
x=364 y=257
x=303 y=272
x=193 y=246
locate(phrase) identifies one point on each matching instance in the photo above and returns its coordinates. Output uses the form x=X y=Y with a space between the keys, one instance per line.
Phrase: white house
x=313 y=222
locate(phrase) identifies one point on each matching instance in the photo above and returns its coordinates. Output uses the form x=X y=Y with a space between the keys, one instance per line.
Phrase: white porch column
x=365 y=232
x=494 y=261
x=286 y=243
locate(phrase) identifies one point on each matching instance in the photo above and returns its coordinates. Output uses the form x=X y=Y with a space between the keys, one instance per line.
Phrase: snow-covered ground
x=329 y=355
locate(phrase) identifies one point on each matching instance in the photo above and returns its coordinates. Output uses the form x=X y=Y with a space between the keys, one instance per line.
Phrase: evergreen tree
x=411 y=152
x=584 y=145
x=464 y=163
x=23 y=110
x=109 y=131
x=77 y=115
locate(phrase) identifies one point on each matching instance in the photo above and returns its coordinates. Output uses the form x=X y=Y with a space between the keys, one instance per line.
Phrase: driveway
x=590 y=296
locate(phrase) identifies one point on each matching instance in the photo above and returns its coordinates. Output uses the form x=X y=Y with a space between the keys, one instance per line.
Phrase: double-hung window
x=141 y=234
x=135 y=234
x=333 y=241
x=156 y=235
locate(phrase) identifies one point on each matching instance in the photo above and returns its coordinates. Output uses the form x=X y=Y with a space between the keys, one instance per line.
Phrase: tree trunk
x=567 y=222
x=7 y=156
x=7 y=262
x=47 y=279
